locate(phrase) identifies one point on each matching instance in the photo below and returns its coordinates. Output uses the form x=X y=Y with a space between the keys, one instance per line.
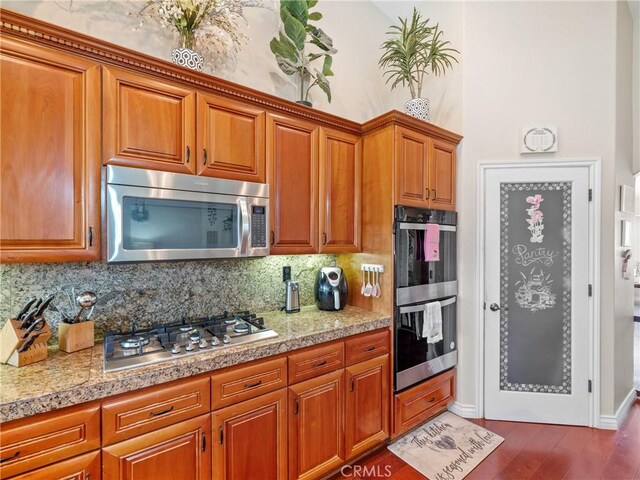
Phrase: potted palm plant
x=414 y=50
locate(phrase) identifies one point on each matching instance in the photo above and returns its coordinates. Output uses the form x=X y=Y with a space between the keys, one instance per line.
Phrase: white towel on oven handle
x=432 y=324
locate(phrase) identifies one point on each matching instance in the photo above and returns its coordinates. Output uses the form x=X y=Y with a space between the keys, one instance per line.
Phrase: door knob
x=494 y=307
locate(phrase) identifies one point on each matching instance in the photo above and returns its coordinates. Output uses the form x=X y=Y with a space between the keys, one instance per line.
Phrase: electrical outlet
x=286 y=273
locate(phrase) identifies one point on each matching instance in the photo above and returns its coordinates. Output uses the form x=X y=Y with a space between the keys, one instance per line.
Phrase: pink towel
x=432 y=243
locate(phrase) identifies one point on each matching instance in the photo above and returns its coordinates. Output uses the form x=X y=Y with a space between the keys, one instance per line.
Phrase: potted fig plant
x=299 y=44
x=414 y=50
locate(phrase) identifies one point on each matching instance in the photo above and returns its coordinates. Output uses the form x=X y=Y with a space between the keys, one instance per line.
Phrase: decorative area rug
x=446 y=448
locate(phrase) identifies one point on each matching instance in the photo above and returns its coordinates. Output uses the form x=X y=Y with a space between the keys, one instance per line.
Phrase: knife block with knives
x=19 y=346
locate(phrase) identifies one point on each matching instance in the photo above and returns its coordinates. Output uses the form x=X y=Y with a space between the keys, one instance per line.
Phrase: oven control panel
x=258 y=227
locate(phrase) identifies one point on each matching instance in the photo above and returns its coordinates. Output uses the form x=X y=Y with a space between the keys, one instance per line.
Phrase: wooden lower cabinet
x=251 y=439
x=82 y=467
x=366 y=405
x=316 y=426
x=181 y=451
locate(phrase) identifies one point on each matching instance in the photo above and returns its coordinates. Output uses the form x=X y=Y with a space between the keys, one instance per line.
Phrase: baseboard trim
x=613 y=422
x=463 y=410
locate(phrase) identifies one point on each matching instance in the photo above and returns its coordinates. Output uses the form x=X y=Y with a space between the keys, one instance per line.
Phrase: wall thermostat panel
x=539 y=139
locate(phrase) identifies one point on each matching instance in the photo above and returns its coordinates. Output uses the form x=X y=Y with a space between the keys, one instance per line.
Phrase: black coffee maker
x=330 y=289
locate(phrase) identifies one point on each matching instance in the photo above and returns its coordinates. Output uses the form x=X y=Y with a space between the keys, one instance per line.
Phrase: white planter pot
x=419 y=108
x=187 y=58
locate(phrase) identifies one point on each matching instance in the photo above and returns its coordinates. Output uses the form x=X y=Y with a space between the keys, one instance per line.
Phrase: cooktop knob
x=203 y=343
x=175 y=348
x=215 y=342
x=189 y=347
x=226 y=339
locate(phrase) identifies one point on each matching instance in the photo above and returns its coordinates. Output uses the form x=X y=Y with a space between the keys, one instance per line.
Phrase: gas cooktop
x=168 y=341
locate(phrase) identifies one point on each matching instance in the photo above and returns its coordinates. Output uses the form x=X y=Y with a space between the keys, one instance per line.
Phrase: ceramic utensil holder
x=75 y=336
x=11 y=340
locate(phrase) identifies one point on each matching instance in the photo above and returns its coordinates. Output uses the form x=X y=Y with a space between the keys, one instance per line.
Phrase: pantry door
x=538 y=306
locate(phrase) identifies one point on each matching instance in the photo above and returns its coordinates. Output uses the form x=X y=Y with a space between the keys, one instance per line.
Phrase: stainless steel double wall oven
x=419 y=282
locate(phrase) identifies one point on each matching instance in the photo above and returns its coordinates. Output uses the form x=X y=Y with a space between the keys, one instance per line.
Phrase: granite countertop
x=70 y=379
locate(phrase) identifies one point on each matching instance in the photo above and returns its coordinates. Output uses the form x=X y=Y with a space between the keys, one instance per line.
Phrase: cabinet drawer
x=82 y=467
x=132 y=414
x=33 y=442
x=366 y=346
x=419 y=403
x=315 y=361
x=243 y=383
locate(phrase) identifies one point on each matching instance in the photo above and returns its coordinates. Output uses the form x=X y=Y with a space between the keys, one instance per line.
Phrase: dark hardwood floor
x=537 y=452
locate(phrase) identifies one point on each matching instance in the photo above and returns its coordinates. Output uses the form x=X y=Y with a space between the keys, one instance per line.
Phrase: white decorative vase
x=186 y=57
x=419 y=108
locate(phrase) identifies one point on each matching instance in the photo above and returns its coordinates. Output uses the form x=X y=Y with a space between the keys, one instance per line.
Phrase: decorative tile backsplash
x=148 y=293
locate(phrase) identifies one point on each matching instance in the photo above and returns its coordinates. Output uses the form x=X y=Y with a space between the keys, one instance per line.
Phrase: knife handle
x=26 y=345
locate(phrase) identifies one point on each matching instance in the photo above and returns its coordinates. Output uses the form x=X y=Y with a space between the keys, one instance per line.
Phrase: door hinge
x=590 y=290
x=589 y=386
x=590 y=194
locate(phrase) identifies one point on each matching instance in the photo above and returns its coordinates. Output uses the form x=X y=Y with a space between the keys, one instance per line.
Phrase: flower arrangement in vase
x=206 y=29
x=413 y=50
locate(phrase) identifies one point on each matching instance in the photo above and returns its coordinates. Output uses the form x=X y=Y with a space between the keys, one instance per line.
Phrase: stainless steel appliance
x=155 y=215
x=169 y=341
x=292 y=297
x=331 y=289
x=418 y=283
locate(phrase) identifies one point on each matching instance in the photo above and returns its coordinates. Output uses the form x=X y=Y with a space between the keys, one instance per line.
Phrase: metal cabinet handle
x=427 y=197
x=324 y=238
x=162 y=412
x=204 y=442
x=188 y=154
x=353 y=385
x=321 y=364
x=221 y=438
x=273 y=237
x=370 y=349
x=252 y=385
x=204 y=150
x=434 y=193
x=15 y=455
x=295 y=410
x=433 y=399
x=91 y=236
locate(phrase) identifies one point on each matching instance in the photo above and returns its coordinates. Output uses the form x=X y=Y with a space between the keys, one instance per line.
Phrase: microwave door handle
x=244 y=226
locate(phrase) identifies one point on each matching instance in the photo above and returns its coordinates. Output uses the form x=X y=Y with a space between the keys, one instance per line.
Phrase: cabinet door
x=237 y=453
x=411 y=168
x=230 y=139
x=82 y=467
x=316 y=426
x=147 y=123
x=50 y=150
x=367 y=405
x=292 y=175
x=179 y=451
x=340 y=183
x=442 y=174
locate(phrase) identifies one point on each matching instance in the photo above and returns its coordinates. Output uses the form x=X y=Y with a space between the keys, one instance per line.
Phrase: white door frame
x=594 y=165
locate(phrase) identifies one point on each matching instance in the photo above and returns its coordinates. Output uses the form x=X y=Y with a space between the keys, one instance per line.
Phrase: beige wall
x=528 y=63
x=623 y=314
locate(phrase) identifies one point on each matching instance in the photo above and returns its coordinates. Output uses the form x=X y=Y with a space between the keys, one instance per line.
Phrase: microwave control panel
x=258 y=227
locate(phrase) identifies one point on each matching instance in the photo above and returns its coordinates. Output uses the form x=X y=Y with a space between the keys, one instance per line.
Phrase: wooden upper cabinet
x=148 y=123
x=50 y=150
x=230 y=139
x=442 y=174
x=179 y=451
x=292 y=174
x=411 y=168
x=316 y=430
x=367 y=405
x=251 y=439
x=340 y=191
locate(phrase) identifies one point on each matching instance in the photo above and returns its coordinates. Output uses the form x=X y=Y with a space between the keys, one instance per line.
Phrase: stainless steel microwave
x=155 y=216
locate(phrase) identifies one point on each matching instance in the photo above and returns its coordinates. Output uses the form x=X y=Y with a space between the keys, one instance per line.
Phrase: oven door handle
x=423 y=226
x=421 y=307
x=244 y=226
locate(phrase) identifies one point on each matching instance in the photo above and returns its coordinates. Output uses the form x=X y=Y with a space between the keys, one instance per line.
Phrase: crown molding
x=395 y=117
